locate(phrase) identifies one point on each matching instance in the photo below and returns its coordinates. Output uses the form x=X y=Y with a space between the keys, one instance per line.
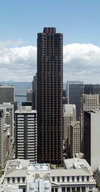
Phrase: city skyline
x=20 y=22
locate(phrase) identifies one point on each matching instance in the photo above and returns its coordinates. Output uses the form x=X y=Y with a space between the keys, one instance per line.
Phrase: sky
x=22 y=20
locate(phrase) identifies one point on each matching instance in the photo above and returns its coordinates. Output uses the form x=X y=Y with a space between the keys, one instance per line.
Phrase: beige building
x=69 y=114
x=88 y=102
x=74 y=138
x=4 y=139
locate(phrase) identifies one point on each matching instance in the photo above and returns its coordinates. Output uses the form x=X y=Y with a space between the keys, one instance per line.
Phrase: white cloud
x=18 y=64
x=8 y=43
x=81 y=62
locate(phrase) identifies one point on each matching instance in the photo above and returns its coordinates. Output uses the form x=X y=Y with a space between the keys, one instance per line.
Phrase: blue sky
x=78 y=20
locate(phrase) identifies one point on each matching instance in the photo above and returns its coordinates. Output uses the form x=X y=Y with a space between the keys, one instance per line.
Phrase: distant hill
x=22 y=87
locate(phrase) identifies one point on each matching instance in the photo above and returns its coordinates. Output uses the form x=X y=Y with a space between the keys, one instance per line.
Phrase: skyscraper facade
x=92 y=89
x=92 y=137
x=26 y=133
x=88 y=102
x=75 y=89
x=69 y=114
x=74 y=138
x=34 y=92
x=7 y=94
x=49 y=95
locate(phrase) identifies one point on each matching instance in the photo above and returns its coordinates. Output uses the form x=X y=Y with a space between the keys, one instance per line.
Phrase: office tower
x=2 y=121
x=92 y=138
x=34 y=92
x=3 y=139
x=29 y=95
x=88 y=89
x=75 y=89
x=6 y=94
x=74 y=138
x=69 y=114
x=96 y=90
x=92 y=89
x=49 y=95
x=88 y=102
x=9 y=117
x=26 y=133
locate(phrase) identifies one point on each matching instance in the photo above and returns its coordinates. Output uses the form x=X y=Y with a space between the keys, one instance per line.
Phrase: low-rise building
x=77 y=176
x=15 y=173
x=10 y=188
x=38 y=178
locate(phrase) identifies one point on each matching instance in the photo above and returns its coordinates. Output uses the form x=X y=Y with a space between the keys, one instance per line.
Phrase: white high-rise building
x=88 y=102
x=26 y=133
x=92 y=138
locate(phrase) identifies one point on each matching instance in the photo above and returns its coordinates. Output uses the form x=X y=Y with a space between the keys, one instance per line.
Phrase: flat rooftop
x=76 y=164
x=17 y=167
x=70 y=172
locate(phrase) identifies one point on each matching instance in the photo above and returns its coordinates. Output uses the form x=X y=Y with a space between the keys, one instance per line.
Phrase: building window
x=68 y=189
x=53 y=179
x=63 y=189
x=77 y=178
x=13 y=180
x=82 y=178
x=73 y=179
x=18 y=179
x=8 y=180
x=83 y=189
x=63 y=179
x=73 y=189
x=87 y=178
x=78 y=189
x=58 y=179
x=56 y=190
x=23 y=179
x=68 y=179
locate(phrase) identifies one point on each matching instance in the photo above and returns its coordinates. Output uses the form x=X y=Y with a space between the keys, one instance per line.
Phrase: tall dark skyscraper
x=49 y=95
